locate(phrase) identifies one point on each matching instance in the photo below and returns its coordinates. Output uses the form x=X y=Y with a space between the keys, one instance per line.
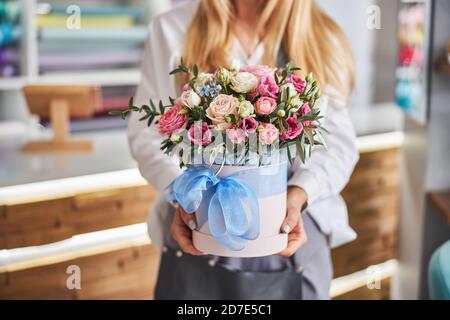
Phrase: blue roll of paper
x=9 y=33
x=136 y=34
x=137 y=13
x=10 y=10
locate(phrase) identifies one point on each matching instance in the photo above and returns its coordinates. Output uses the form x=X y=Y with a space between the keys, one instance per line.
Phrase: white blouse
x=323 y=176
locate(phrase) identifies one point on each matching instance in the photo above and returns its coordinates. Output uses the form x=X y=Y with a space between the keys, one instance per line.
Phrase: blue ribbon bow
x=221 y=202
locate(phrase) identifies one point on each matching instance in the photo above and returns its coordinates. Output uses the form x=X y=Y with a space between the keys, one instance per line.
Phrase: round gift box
x=272 y=212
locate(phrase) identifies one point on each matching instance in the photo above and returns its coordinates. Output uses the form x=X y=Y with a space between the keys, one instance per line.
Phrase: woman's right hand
x=182 y=226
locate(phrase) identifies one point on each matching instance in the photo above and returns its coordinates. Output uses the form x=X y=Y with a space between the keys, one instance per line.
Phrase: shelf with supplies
x=104 y=50
x=37 y=46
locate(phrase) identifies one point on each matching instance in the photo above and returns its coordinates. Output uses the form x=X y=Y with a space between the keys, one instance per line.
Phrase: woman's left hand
x=293 y=224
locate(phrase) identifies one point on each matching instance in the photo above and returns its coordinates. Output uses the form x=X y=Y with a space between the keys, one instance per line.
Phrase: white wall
x=374 y=50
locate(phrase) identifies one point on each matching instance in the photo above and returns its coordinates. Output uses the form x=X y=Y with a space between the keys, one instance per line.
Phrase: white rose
x=296 y=103
x=224 y=76
x=244 y=82
x=190 y=99
x=245 y=109
x=235 y=65
x=285 y=88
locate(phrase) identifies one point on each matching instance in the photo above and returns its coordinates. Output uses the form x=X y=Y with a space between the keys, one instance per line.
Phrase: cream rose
x=245 y=109
x=222 y=106
x=244 y=82
x=190 y=99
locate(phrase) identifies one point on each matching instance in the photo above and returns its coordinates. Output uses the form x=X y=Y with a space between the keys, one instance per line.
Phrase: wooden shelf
x=112 y=77
x=14 y=83
x=440 y=202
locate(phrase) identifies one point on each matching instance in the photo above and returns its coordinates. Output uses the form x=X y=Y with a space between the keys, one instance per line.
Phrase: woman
x=217 y=33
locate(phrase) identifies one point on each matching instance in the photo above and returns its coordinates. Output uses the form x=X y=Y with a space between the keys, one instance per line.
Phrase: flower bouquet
x=235 y=132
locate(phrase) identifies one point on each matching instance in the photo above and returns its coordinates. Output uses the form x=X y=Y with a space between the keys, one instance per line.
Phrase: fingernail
x=192 y=225
x=286 y=228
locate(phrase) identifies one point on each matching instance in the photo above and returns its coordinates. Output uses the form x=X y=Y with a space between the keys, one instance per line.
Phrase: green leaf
x=116 y=113
x=300 y=148
x=152 y=105
x=150 y=120
x=145 y=108
x=195 y=71
x=310 y=136
x=175 y=71
x=321 y=139
x=289 y=154
x=323 y=129
x=145 y=117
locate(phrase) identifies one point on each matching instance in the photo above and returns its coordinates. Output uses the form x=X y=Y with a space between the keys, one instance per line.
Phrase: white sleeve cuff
x=308 y=181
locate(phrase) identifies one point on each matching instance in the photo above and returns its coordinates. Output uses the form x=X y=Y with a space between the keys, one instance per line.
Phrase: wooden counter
x=61 y=199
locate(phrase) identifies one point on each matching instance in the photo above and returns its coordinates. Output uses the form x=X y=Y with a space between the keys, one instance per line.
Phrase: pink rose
x=249 y=125
x=259 y=71
x=269 y=133
x=222 y=106
x=305 y=109
x=171 y=120
x=265 y=105
x=200 y=136
x=236 y=135
x=298 y=83
x=267 y=87
x=186 y=87
x=294 y=130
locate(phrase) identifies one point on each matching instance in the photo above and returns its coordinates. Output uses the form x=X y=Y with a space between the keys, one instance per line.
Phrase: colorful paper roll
x=8 y=70
x=43 y=21
x=137 y=13
x=136 y=34
x=9 y=33
x=74 y=61
x=9 y=56
x=54 y=46
x=10 y=10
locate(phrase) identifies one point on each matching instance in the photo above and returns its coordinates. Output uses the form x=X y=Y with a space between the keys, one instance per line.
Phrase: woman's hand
x=293 y=224
x=182 y=226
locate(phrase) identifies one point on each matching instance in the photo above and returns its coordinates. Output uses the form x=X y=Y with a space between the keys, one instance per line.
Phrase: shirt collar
x=240 y=57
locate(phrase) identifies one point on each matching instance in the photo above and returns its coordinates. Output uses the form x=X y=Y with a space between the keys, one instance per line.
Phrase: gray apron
x=305 y=275
x=189 y=277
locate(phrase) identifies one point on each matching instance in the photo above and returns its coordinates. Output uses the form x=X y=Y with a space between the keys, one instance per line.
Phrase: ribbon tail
x=227 y=215
x=253 y=223
x=218 y=225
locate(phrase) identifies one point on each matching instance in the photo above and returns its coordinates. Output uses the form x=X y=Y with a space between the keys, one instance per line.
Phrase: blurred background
x=85 y=210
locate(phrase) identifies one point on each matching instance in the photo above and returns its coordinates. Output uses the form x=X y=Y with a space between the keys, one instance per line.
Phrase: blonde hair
x=309 y=37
